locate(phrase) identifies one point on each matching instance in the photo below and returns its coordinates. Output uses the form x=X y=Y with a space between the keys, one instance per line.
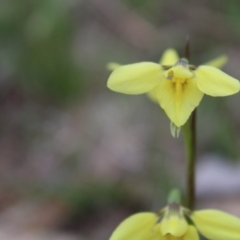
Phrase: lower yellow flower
x=176 y=85
x=177 y=223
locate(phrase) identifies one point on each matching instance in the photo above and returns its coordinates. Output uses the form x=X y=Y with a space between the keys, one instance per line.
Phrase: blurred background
x=76 y=158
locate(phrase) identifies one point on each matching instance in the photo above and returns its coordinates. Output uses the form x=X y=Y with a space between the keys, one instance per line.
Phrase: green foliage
x=219 y=122
x=148 y=8
x=36 y=43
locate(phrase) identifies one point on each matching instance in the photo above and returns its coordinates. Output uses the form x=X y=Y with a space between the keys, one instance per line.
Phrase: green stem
x=190 y=143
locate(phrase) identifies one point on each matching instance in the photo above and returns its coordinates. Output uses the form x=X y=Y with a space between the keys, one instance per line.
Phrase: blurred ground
x=76 y=158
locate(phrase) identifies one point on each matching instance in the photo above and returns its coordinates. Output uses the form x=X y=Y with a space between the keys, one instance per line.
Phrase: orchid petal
x=217 y=225
x=218 y=62
x=140 y=226
x=169 y=57
x=135 y=78
x=178 y=105
x=174 y=225
x=112 y=66
x=191 y=234
x=214 y=82
x=152 y=94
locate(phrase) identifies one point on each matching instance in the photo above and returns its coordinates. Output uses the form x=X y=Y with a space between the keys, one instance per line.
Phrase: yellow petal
x=140 y=226
x=169 y=57
x=173 y=225
x=178 y=72
x=178 y=105
x=191 y=234
x=135 y=78
x=112 y=66
x=217 y=225
x=217 y=62
x=152 y=94
x=214 y=82
x=170 y=237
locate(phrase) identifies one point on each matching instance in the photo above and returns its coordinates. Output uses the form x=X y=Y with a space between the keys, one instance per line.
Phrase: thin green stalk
x=190 y=144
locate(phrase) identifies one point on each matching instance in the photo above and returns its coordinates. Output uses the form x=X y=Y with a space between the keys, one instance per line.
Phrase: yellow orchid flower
x=176 y=85
x=177 y=223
